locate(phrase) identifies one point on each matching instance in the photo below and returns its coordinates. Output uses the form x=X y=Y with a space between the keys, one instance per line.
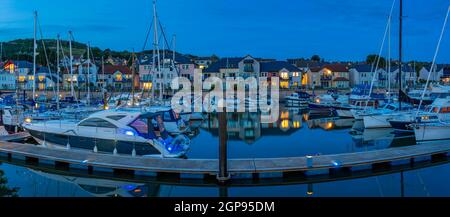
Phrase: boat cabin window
x=435 y=109
x=116 y=117
x=390 y=107
x=445 y=110
x=97 y=122
x=140 y=125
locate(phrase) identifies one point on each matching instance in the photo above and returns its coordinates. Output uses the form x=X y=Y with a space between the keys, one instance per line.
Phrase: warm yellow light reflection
x=285 y=124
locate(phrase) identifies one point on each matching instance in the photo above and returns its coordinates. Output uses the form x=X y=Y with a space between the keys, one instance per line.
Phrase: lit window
x=118 y=77
x=284 y=84
x=284 y=75
x=148 y=85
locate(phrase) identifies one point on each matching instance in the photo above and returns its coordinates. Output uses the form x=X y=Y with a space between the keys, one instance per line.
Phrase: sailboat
x=438 y=130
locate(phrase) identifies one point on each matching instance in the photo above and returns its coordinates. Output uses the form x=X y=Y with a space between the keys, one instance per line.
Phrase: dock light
x=129 y=133
x=28 y=120
x=336 y=164
x=317 y=100
x=129 y=187
x=309 y=161
x=106 y=107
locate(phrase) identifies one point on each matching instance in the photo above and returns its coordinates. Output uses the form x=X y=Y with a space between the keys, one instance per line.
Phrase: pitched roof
x=277 y=66
x=363 y=68
x=315 y=69
x=223 y=63
x=110 y=69
x=337 y=67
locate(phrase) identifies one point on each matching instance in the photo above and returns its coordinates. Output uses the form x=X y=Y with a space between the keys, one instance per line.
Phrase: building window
x=119 y=77
x=284 y=84
x=248 y=67
x=284 y=75
x=147 y=85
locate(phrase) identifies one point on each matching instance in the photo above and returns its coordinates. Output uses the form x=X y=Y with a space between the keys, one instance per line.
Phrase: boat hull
x=401 y=125
x=88 y=143
x=425 y=133
x=344 y=113
x=376 y=121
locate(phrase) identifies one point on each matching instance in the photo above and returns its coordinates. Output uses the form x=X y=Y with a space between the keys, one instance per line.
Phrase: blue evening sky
x=334 y=29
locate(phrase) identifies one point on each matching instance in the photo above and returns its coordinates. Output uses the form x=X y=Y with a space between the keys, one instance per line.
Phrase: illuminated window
x=41 y=86
x=21 y=78
x=30 y=77
x=284 y=75
x=296 y=124
x=285 y=124
x=284 y=115
x=41 y=77
x=118 y=77
x=284 y=84
x=148 y=85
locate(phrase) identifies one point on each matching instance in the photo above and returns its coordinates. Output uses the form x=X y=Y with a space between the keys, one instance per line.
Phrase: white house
x=363 y=74
x=7 y=80
x=436 y=74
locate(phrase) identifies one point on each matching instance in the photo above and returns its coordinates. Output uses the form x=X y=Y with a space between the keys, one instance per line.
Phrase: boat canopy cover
x=363 y=90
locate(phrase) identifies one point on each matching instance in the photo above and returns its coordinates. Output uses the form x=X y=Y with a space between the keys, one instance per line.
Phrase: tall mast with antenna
x=400 y=54
x=34 y=56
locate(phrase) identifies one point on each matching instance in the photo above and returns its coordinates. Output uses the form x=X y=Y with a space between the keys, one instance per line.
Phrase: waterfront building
x=170 y=69
x=118 y=78
x=7 y=80
x=362 y=74
x=436 y=73
x=334 y=76
x=248 y=66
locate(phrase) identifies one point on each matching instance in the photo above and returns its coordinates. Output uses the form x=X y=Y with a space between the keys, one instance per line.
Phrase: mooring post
x=223 y=137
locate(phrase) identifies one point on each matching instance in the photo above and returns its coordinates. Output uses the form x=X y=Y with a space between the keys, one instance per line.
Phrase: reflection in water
x=322 y=134
x=6 y=191
x=248 y=127
x=99 y=187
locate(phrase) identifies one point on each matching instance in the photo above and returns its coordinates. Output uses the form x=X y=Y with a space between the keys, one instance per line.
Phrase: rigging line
x=147 y=36
x=434 y=60
x=381 y=51
x=46 y=57
x=423 y=184
x=379 y=186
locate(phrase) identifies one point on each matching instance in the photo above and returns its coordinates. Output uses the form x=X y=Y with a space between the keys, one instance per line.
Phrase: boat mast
x=133 y=74
x=34 y=56
x=72 y=92
x=156 y=49
x=88 y=74
x=105 y=101
x=389 y=58
x=400 y=55
x=57 y=71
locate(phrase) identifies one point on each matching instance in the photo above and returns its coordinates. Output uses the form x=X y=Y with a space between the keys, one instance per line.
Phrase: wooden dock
x=92 y=160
